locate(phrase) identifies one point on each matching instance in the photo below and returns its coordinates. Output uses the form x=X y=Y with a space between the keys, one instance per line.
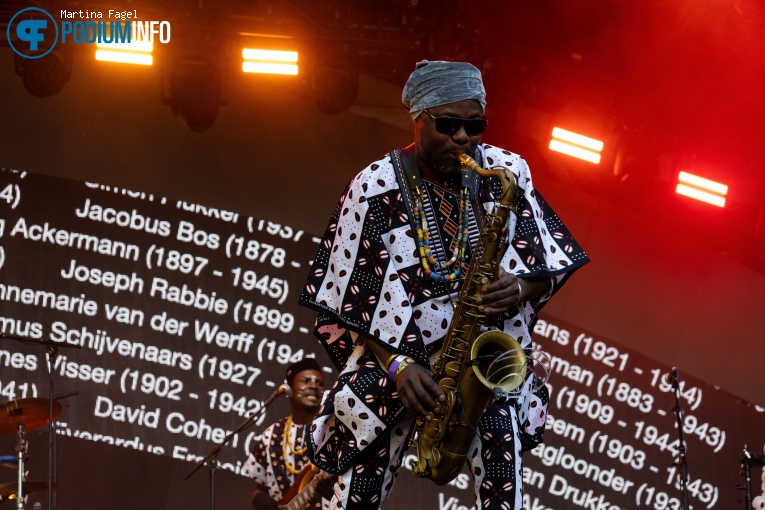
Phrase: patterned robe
x=266 y=466
x=367 y=280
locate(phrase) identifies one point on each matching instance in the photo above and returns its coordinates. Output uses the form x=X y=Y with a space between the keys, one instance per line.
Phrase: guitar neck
x=302 y=498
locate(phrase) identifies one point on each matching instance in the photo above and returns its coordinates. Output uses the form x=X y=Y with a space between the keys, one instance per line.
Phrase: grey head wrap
x=440 y=82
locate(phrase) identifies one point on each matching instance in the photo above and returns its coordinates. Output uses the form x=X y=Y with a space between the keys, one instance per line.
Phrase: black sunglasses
x=450 y=125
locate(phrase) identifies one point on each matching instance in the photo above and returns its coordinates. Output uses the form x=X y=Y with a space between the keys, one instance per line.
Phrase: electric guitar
x=303 y=489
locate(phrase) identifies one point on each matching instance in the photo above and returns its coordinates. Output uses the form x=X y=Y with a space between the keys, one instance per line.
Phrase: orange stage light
x=137 y=52
x=269 y=61
x=576 y=145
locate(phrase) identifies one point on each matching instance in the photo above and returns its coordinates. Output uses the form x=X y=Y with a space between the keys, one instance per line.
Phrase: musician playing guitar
x=279 y=462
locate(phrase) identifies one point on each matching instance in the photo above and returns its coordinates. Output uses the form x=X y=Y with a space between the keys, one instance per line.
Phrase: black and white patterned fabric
x=266 y=466
x=367 y=280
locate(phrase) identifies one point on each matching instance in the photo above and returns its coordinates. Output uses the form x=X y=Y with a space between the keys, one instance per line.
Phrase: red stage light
x=576 y=145
x=702 y=189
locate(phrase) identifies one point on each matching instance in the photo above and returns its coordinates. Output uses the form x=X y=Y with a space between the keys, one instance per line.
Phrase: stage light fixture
x=702 y=189
x=136 y=52
x=269 y=61
x=45 y=76
x=191 y=86
x=576 y=145
x=334 y=89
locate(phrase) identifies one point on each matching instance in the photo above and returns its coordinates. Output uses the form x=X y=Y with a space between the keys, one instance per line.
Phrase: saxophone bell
x=498 y=361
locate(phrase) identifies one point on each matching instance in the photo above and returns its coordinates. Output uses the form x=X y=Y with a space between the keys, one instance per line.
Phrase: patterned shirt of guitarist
x=279 y=459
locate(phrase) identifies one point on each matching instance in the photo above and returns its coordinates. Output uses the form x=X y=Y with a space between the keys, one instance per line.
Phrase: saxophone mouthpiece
x=468 y=161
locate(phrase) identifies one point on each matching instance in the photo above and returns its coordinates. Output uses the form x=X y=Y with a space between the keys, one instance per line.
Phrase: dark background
x=674 y=85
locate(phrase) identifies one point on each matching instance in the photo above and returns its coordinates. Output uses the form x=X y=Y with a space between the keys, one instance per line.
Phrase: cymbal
x=32 y=412
x=9 y=490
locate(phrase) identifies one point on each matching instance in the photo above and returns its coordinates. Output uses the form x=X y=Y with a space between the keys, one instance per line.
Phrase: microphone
x=284 y=389
x=757 y=459
x=671 y=377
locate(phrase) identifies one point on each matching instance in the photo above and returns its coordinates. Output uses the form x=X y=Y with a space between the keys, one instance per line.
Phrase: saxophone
x=472 y=367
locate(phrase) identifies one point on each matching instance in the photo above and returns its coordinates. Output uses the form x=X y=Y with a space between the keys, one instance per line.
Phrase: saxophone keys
x=452 y=370
x=447 y=385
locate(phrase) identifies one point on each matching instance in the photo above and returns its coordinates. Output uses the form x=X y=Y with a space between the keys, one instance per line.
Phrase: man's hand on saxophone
x=509 y=291
x=416 y=388
x=419 y=392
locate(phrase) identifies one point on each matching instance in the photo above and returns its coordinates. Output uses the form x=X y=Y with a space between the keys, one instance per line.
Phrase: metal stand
x=52 y=349
x=211 y=458
x=21 y=450
x=746 y=458
x=681 y=456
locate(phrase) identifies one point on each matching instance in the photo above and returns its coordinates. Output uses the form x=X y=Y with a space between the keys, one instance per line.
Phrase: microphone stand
x=52 y=349
x=744 y=458
x=21 y=450
x=682 y=461
x=211 y=458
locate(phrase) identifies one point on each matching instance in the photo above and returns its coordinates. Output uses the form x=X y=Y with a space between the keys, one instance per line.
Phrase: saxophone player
x=386 y=279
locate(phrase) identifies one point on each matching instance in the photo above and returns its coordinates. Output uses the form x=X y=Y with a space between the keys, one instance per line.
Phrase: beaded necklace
x=287 y=443
x=423 y=239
